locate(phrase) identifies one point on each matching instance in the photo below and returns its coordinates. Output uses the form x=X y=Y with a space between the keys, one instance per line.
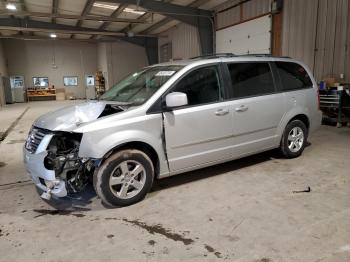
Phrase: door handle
x=221 y=112
x=242 y=108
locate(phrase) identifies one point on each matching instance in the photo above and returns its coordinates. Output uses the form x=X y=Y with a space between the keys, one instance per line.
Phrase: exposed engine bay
x=63 y=158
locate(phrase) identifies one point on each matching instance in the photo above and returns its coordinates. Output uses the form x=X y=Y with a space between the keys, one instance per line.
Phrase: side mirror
x=176 y=99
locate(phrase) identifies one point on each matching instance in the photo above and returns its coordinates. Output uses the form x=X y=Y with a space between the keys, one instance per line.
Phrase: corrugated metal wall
x=227 y=16
x=299 y=30
x=317 y=32
x=255 y=8
x=184 y=39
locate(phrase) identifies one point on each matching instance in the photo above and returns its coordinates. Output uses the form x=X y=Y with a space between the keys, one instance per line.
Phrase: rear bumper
x=316 y=121
x=42 y=177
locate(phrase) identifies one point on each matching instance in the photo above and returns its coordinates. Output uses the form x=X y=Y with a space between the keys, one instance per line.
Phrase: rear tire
x=294 y=139
x=124 y=178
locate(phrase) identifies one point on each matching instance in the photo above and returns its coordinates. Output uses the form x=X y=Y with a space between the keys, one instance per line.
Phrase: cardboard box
x=330 y=81
x=60 y=96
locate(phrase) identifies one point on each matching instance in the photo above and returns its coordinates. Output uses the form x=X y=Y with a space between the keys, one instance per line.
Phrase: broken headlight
x=62 y=157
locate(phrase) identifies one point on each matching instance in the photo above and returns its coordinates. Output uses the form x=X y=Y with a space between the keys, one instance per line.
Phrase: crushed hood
x=69 y=118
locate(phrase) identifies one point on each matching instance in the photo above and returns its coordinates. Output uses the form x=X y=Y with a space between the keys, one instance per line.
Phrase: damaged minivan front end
x=53 y=163
x=51 y=152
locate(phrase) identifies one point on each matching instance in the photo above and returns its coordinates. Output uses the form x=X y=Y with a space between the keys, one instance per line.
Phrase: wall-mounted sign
x=70 y=80
x=41 y=81
x=90 y=80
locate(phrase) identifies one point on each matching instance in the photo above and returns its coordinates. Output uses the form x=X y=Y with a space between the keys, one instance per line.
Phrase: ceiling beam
x=87 y=8
x=24 y=8
x=75 y=17
x=114 y=15
x=17 y=24
x=186 y=14
x=54 y=10
x=62 y=31
x=196 y=3
x=202 y=19
x=35 y=37
x=144 y=17
x=137 y=40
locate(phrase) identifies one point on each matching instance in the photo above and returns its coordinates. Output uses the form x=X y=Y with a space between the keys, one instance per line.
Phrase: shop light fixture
x=105 y=6
x=11 y=6
x=114 y=7
x=133 y=11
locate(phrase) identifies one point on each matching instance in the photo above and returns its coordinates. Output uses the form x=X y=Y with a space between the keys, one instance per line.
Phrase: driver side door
x=200 y=133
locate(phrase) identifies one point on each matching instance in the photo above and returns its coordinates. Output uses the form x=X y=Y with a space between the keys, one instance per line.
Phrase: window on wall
x=70 y=80
x=201 y=86
x=40 y=81
x=293 y=76
x=251 y=79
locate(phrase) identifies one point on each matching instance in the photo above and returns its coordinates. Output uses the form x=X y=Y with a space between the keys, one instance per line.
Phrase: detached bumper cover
x=43 y=178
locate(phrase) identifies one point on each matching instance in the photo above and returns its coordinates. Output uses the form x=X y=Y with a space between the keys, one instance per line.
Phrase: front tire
x=294 y=139
x=124 y=178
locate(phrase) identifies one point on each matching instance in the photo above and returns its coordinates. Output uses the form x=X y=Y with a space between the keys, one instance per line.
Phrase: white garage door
x=251 y=37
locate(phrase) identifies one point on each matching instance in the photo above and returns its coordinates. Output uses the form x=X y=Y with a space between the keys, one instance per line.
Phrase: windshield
x=138 y=87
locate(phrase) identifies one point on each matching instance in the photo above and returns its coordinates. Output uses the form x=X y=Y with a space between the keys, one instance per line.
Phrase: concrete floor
x=244 y=210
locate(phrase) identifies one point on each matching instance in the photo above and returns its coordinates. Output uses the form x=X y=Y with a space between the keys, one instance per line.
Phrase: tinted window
x=201 y=85
x=251 y=79
x=293 y=76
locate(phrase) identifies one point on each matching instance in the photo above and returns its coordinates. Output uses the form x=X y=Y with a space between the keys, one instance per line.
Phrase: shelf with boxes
x=100 y=87
x=41 y=93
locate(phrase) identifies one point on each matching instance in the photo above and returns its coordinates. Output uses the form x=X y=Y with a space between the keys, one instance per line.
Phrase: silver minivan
x=172 y=118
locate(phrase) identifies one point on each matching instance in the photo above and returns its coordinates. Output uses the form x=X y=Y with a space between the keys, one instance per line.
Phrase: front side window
x=251 y=79
x=138 y=87
x=293 y=76
x=201 y=86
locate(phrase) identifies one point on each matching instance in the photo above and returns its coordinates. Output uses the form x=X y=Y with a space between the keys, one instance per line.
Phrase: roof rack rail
x=265 y=55
x=215 y=55
x=218 y=55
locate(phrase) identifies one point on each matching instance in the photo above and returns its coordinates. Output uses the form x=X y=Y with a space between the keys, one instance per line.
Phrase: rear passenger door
x=257 y=107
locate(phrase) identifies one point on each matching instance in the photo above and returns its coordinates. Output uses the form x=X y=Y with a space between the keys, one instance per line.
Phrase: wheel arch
x=138 y=145
x=303 y=118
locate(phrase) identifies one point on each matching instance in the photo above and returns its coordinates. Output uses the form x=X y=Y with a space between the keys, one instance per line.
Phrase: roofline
x=226 y=58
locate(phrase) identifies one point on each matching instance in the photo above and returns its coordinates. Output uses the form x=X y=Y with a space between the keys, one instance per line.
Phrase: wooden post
x=277 y=34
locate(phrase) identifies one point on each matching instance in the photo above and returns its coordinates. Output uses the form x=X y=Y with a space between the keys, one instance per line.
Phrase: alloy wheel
x=295 y=139
x=127 y=179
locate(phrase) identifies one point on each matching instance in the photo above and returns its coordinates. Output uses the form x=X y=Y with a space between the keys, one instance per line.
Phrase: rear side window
x=251 y=79
x=293 y=76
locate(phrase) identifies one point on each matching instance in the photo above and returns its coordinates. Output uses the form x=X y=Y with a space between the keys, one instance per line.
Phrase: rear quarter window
x=251 y=79
x=293 y=76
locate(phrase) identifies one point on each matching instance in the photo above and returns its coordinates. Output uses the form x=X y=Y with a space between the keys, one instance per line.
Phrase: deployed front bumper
x=42 y=177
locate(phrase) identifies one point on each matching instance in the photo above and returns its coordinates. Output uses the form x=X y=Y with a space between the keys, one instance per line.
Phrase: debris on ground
x=308 y=190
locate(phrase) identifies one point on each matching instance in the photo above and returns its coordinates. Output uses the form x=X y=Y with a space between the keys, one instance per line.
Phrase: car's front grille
x=35 y=136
